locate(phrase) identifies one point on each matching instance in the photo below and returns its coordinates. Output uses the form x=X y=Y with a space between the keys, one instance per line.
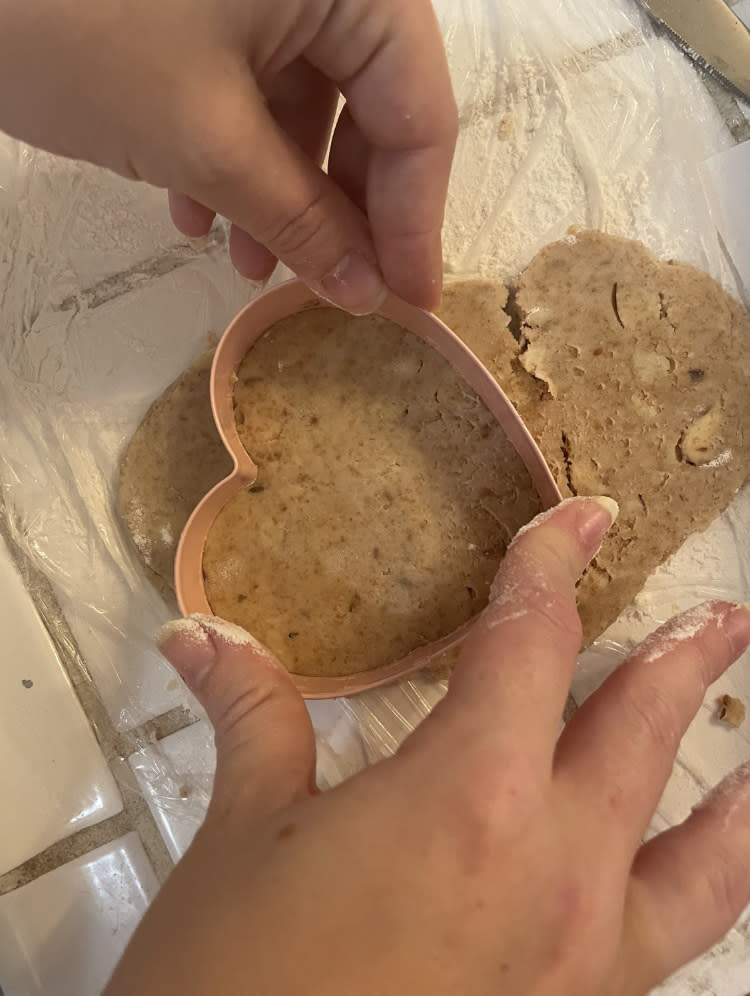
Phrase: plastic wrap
x=572 y=113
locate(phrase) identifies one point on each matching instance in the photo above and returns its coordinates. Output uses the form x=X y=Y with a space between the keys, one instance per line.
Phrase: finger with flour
x=512 y=678
x=265 y=746
x=616 y=754
x=689 y=884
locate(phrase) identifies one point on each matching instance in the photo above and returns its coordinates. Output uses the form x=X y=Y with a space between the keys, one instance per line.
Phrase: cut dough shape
x=386 y=496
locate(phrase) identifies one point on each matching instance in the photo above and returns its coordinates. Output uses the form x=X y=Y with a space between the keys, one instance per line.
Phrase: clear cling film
x=570 y=115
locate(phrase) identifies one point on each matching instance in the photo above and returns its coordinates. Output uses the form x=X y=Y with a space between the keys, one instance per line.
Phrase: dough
x=385 y=498
x=172 y=461
x=731 y=711
x=632 y=374
x=635 y=382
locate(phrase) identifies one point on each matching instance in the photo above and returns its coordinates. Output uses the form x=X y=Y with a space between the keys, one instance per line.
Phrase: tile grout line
x=154 y=267
x=116 y=746
x=78 y=844
x=583 y=60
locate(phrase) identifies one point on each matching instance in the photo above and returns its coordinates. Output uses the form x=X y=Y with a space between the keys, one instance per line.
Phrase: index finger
x=514 y=672
x=396 y=82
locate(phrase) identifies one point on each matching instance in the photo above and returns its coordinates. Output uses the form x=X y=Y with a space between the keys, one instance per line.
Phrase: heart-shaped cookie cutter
x=249 y=325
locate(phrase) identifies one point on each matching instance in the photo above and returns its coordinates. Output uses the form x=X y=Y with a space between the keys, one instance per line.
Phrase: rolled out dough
x=633 y=375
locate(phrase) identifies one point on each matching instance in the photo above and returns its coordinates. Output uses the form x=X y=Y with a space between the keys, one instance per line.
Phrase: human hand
x=488 y=856
x=230 y=105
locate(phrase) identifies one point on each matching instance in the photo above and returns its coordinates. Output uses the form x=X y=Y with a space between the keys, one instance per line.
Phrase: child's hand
x=229 y=103
x=487 y=856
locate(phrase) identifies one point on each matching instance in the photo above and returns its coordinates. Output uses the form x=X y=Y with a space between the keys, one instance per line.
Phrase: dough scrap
x=730 y=711
x=651 y=366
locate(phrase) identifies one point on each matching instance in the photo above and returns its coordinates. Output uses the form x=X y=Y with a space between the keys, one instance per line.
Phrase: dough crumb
x=730 y=711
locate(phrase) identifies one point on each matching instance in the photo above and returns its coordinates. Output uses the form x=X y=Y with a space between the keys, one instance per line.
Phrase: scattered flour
x=723 y=458
x=554 y=140
x=684 y=627
x=231 y=633
x=540 y=519
x=188 y=628
x=199 y=628
x=140 y=534
x=610 y=151
x=516 y=593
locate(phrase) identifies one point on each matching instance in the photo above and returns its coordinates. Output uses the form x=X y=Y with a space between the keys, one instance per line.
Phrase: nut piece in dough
x=702 y=441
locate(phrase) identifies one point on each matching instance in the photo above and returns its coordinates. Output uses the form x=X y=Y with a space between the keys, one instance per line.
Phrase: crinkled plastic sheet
x=572 y=113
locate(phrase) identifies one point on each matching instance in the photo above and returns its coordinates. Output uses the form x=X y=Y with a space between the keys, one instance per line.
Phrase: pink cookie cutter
x=249 y=325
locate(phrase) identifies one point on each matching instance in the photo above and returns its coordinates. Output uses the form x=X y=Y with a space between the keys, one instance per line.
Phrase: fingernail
x=731 y=792
x=737 y=627
x=188 y=648
x=598 y=514
x=354 y=285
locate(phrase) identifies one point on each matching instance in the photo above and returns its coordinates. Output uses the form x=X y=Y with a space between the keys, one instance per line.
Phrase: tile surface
x=79 y=386
x=53 y=777
x=62 y=236
x=176 y=773
x=62 y=934
x=175 y=776
x=722 y=971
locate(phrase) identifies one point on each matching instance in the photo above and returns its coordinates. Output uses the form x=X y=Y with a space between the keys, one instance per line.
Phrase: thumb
x=265 y=745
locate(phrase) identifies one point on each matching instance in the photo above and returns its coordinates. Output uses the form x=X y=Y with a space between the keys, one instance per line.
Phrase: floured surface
x=386 y=496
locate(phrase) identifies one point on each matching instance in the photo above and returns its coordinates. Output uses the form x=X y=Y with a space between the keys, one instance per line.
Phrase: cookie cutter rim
x=242 y=333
